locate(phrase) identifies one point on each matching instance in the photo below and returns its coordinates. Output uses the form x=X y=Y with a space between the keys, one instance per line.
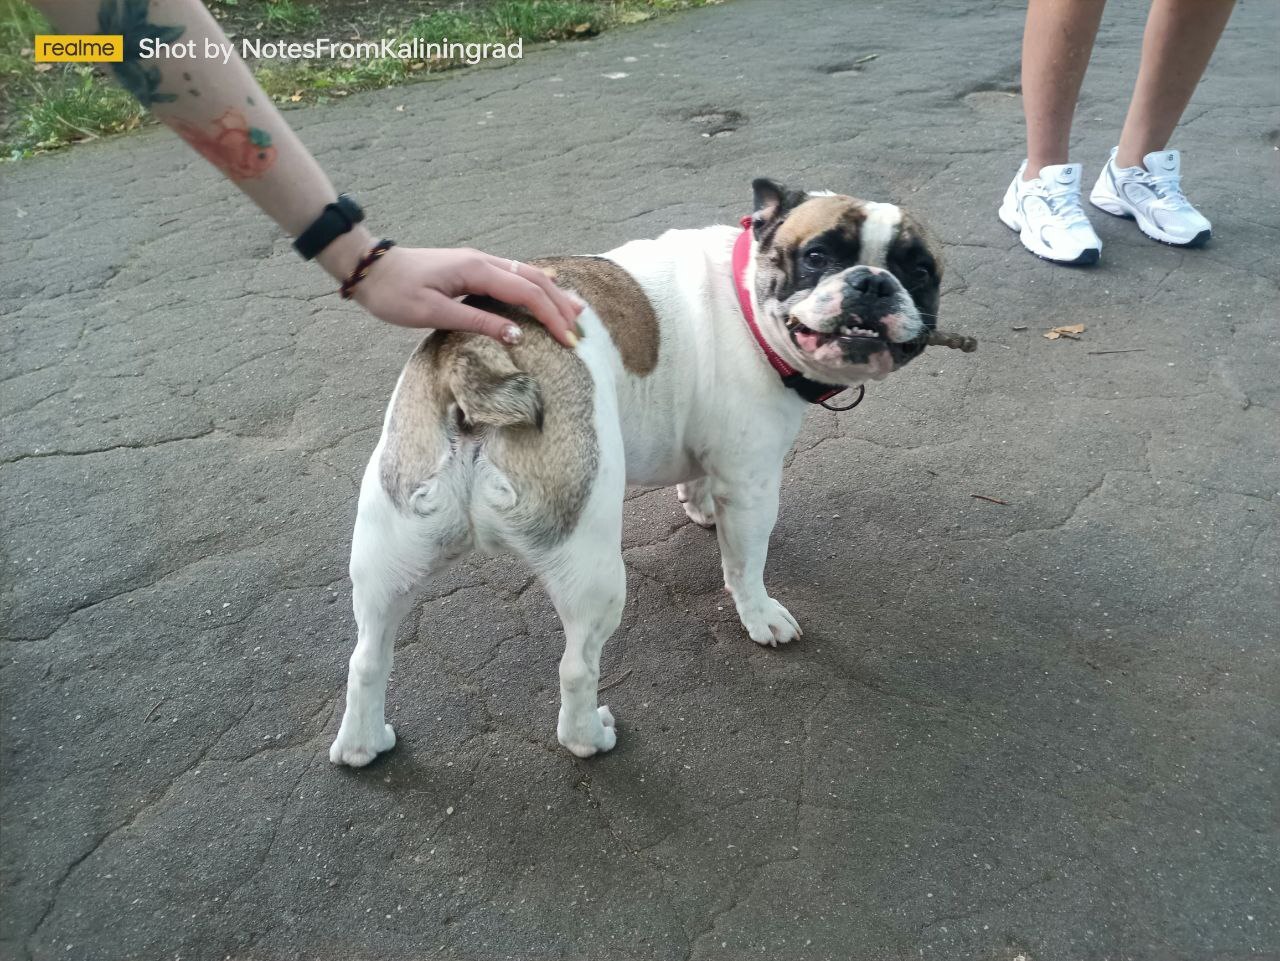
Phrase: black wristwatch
x=334 y=221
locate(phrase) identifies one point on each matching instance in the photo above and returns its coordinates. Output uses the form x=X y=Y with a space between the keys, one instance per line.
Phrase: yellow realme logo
x=79 y=48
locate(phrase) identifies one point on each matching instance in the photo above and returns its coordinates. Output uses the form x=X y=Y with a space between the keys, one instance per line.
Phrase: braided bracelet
x=362 y=268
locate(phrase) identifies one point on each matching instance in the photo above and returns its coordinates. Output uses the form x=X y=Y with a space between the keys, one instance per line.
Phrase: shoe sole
x=1086 y=259
x=1109 y=205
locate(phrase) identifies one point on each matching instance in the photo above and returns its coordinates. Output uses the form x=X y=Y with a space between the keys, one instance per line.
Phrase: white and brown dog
x=528 y=449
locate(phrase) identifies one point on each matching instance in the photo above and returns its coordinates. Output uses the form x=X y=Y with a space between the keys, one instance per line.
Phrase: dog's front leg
x=745 y=515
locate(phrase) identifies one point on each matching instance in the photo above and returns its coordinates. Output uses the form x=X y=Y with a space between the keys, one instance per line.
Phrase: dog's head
x=844 y=288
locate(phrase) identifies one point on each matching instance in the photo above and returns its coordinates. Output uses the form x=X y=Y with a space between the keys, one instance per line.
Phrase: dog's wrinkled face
x=844 y=287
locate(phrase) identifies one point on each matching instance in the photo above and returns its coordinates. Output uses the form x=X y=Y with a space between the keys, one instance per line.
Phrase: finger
x=448 y=314
x=512 y=288
x=569 y=307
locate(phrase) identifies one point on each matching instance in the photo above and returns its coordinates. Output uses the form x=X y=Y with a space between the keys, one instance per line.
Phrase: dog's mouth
x=859 y=337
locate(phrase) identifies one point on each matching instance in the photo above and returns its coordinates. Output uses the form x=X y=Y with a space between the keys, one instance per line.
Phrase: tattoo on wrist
x=129 y=19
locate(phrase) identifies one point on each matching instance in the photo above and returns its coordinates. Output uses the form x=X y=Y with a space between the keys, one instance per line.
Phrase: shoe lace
x=1168 y=188
x=1065 y=205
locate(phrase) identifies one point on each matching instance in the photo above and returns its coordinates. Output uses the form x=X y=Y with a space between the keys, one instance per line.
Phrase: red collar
x=810 y=390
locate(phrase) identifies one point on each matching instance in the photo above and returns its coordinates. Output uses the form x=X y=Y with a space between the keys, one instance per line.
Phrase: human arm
x=217 y=107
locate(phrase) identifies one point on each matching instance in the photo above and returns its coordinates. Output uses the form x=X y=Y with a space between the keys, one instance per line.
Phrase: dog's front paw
x=698 y=503
x=596 y=735
x=768 y=622
x=357 y=747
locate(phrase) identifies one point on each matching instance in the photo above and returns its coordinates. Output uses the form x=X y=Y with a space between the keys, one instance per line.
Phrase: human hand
x=416 y=287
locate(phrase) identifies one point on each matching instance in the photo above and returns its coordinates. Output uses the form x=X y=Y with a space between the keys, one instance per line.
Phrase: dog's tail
x=489 y=389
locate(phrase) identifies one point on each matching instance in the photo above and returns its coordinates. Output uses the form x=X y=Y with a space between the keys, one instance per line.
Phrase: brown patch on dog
x=619 y=300
x=817 y=216
x=529 y=408
x=415 y=437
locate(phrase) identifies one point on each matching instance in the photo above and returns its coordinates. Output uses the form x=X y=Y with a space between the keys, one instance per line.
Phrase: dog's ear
x=772 y=202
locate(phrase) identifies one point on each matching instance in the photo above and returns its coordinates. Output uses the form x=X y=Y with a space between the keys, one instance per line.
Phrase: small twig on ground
x=1123 y=350
x=867 y=59
x=153 y=710
x=616 y=681
x=993 y=500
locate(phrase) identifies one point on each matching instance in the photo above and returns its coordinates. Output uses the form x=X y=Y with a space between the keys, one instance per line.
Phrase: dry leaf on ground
x=1072 y=331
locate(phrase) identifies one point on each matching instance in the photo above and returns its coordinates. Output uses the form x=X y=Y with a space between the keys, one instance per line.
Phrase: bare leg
x=1176 y=47
x=1056 y=44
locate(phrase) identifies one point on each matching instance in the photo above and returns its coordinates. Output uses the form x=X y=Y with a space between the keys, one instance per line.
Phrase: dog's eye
x=923 y=271
x=816 y=259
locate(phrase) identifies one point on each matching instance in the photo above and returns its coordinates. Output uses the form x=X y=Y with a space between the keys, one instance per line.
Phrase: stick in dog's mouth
x=932 y=338
x=945 y=338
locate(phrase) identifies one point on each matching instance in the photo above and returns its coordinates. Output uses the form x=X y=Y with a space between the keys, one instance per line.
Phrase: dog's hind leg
x=364 y=732
x=589 y=589
x=587 y=582
x=392 y=552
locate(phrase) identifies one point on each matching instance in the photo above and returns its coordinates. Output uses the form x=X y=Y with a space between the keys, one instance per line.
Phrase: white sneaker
x=1047 y=214
x=1150 y=195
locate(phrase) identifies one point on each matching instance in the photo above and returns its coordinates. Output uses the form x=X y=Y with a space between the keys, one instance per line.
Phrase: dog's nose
x=877 y=285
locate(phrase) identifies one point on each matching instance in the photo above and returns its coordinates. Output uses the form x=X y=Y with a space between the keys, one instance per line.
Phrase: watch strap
x=335 y=220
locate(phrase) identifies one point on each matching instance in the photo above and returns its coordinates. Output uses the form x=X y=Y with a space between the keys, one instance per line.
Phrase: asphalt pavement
x=1039 y=723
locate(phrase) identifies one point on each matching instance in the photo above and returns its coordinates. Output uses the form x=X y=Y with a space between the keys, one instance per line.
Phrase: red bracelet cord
x=362 y=268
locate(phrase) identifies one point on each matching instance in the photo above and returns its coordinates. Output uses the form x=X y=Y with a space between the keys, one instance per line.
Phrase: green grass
x=504 y=21
x=45 y=109
x=41 y=109
x=290 y=15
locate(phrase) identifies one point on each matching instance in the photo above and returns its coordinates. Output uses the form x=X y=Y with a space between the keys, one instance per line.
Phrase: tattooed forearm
x=129 y=18
x=215 y=105
x=240 y=151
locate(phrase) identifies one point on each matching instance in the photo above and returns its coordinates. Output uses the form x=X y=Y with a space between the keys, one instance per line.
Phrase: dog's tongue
x=808 y=340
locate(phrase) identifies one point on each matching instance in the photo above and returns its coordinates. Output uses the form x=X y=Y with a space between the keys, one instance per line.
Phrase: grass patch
x=291 y=16
x=43 y=106
x=501 y=22
x=79 y=105
x=508 y=19
x=48 y=106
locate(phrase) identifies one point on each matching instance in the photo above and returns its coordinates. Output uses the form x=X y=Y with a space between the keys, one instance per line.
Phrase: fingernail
x=578 y=327
x=572 y=338
x=511 y=334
